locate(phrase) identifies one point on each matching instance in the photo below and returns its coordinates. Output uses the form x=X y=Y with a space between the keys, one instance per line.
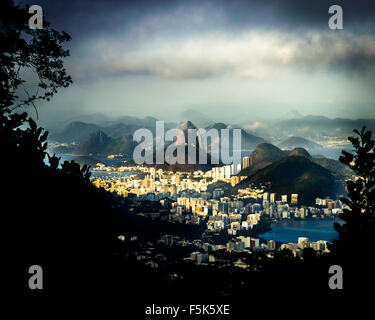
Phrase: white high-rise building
x=246 y=162
x=303 y=242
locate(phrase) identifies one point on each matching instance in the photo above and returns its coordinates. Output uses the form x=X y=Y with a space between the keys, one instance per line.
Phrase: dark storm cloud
x=173 y=38
x=291 y=13
x=81 y=17
x=121 y=49
x=84 y=18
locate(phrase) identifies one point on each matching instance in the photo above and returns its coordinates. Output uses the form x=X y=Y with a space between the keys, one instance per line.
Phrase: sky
x=229 y=60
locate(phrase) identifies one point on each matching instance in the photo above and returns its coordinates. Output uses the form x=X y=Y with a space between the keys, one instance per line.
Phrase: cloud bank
x=255 y=54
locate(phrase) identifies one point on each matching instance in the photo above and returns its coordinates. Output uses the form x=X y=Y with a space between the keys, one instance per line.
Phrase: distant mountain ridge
x=298 y=142
x=117 y=137
x=248 y=141
x=98 y=143
x=76 y=131
x=319 y=126
x=312 y=127
x=196 y=117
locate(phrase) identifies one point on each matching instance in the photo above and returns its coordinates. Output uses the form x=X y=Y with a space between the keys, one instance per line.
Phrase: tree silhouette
x=51 y=214
x=355 y=243
x=24 y=49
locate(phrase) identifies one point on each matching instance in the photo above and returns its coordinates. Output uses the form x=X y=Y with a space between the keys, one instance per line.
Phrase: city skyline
x=188 y=154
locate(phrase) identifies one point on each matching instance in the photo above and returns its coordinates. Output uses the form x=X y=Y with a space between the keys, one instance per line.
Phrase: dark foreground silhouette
x=52 y=216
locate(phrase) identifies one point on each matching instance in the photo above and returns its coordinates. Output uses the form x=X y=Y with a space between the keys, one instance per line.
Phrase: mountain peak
x=267 y=147
x=98 y=137
x=266 y=153
x=300 y=152
x=217 y=126
x=94 y=143
x=295 y=174
x=293 y=114
x=187 y=124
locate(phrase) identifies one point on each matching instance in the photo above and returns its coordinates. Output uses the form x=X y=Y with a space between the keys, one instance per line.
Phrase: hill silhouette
x=95 y=143
x=334 y=166
x=248 y=140
x=98 y=143
x=312 y=126
x=301 y=152
x=217 y=126
x=75 y=131
x=295 y=174
x=264 y=155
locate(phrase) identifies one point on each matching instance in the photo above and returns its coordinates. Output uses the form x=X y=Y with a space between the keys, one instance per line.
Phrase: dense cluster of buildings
x=186 y=199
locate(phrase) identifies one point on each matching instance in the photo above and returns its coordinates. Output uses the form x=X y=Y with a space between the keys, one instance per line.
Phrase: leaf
x=32 y=123
x=44 y=136
x=346 y=158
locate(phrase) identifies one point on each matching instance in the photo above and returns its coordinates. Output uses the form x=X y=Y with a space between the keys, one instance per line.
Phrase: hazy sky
x=226 y=59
